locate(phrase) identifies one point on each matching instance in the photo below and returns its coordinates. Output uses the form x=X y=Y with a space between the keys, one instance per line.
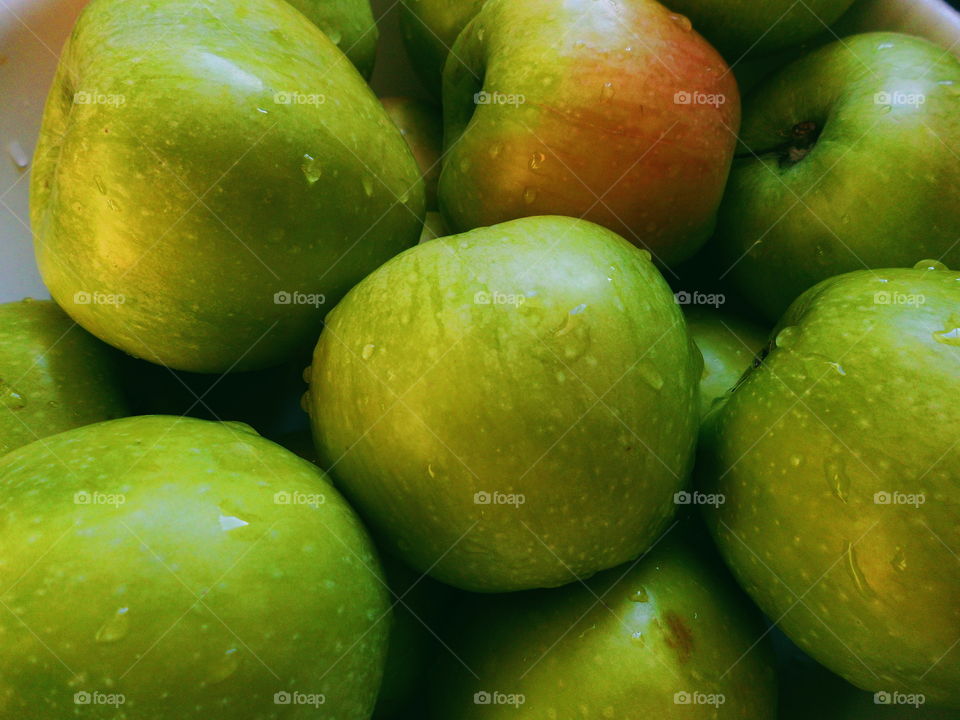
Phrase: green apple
x=433 y=227
x=737 y=27
x=350 y=26
x=167 y=568
x=54 y=376
x=510 y=408
x=667 y=637
x=824 y=140
x=838 y=459
x=202 y=194
x=728 y=344
x=422 y=127
x=615 y=112
x=430 y=28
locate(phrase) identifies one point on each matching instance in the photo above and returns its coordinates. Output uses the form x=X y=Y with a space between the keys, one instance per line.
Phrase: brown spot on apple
x=678 y=636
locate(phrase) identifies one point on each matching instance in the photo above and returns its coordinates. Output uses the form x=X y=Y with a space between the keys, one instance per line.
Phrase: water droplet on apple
x=224 y=666
x=368 y=351
x=637 y=638
x=537 y=160
x=856 y=572
x=115 y=628
x=948 y=337
x=10 y=398
x=334 y=35
x=930 y=264
x=430 y=470
x=19 y=156
x=495 y=150
x=885 y=46
x=787 y=337
x=899 y=560
x=99 y=181
x=529 y=195
x=368 y=186
x=837 y=478
x=607 y=91
x=112 y=204
x=650 y=375
x=311 y=169
x=231 y=522
x=682 y=21
x=639 y=595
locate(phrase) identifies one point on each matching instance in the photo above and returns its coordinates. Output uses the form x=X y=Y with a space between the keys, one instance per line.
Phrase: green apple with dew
x=430 y=28
x=349 y=24
x=54 y=375
x=421 y=125
x=171 y=568
x=615 y=112
x=510 y=408
x=669 y=636
x=838 y=459
x=728 y=344
x=216 y=188
x=825 y=142
x=738 y=27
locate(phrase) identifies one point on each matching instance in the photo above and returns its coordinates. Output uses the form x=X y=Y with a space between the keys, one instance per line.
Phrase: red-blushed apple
x=617 y=112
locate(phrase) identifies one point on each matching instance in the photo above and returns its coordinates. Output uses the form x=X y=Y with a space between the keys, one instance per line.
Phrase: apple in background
x=200 y=572
x=422 y=127
x=669 y=636
x=824 y=141
x=728 y=344
x=349 y=24
x=838 y=459
x=433 y=227
x=200 y=198
x=430 y=28
x=736 y=27
x=54 y=376
x=616 y=112
x=509 y=408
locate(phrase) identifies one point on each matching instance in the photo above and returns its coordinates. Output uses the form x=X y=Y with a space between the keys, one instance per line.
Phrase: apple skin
x=205 y=116
x=736 y=27
x=851 y=400
x=777 y=245
x=619 y=646
x=433 y=227
x=513 y=398
x=220 y=614
x=728 y=344
x=430 y=28
x=54 y=376
x=349 y=24
x=600 y=134
x=422 y=127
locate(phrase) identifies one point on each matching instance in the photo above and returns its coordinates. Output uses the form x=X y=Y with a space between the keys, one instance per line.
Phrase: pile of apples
x=634 y=382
